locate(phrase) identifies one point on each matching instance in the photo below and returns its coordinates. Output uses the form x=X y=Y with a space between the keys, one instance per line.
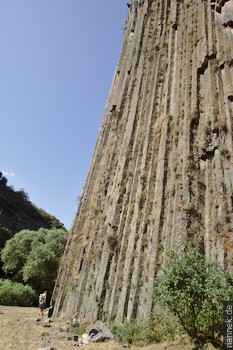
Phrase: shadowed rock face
x=161 y=176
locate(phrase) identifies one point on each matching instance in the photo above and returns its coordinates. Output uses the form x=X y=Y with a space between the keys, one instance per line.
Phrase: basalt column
x=161 y=176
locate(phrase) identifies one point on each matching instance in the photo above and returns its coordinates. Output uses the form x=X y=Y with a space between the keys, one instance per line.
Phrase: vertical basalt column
x=161 y=176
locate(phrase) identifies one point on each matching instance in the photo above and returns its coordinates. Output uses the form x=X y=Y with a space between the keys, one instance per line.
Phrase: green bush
x=34 y=256
x=194 y=290
x=129 y=332
x=161 y=326
x=12 y=293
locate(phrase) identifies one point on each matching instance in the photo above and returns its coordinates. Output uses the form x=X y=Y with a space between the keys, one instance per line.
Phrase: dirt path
x=21 y=330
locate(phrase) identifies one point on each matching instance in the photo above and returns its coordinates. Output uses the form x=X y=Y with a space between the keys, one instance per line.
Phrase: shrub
x=194 y=289
x=112 y=242
x=12 y=293
x=161 y=326
x=130 y=332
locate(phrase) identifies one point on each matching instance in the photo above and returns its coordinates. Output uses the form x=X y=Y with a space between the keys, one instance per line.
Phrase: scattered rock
x=99 y=332
x=85 y=339
x=73 y=337
x=74 y=322
x=61 y=335
x=99 y=337
x=126 y=346
x=48 y=348
x=44 y=334
x=63 y=329
x=50 y=309
x=46 y=324
x=78 y=343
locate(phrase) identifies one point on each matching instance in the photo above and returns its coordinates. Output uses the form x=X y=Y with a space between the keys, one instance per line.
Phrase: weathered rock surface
x=99 y=332
x=161 y=174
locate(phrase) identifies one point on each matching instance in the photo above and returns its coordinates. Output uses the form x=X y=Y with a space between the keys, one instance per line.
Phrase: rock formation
x=161 y=176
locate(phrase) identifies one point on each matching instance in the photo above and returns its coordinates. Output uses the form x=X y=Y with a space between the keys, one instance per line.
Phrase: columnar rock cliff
x=161 y=176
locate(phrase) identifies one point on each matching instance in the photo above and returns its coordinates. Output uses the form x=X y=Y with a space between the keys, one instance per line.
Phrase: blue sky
x=57 y=60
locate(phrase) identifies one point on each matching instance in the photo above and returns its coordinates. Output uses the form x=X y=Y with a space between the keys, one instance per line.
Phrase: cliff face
x=161 y=176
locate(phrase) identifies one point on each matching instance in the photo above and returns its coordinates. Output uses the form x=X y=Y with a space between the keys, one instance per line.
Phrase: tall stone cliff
x=161 y=176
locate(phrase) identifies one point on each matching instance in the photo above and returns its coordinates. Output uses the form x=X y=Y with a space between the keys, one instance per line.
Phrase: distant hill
x=18 y=213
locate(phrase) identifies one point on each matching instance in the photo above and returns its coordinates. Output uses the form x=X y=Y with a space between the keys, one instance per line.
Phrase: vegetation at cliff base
x=16 y=294
x=162 y=325
x=194 y=289
x=33 y=257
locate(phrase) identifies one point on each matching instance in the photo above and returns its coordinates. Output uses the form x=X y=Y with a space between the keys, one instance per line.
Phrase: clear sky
x=57 y=60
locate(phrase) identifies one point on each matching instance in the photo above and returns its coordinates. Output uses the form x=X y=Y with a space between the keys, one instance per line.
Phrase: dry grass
x=20 y=330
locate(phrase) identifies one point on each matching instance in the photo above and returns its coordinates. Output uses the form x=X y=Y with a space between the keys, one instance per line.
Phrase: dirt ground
x=20 y=329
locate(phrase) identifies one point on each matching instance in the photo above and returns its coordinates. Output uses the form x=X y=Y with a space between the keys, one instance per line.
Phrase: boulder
x=99 y=332
x=98 y=337
x=85 y=339
x=73 y=337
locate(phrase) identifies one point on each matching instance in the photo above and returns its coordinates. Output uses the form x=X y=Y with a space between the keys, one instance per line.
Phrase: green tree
x=23 y=194
x=5 y=234
x=3 y=180
x=13 y=293
x=34 y=256
x=194 y=289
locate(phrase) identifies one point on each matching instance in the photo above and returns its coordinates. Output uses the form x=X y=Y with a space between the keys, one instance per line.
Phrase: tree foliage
x=194 y=289
x=3 y=180
x=34 y=256
x=5 y=234
x=23 y=194
x=13 y=293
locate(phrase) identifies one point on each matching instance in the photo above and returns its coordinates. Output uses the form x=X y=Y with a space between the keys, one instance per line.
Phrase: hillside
x=18 y=213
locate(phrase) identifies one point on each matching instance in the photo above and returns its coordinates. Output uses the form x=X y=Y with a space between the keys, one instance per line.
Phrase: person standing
x=42 y=303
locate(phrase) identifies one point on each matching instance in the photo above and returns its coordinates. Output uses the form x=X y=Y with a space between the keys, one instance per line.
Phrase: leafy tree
x=3 y=180
x=34 y=256
x=23 y=194
x=194 y=289
x=5 y=234
x=13 y=293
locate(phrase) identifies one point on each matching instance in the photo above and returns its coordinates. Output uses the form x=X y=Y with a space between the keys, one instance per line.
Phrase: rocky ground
x=22 y=330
